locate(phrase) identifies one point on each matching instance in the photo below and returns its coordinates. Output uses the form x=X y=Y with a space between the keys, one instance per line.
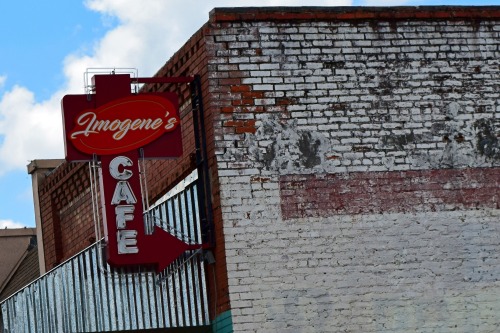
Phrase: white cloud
x=3 y=78
x=151 y=31
x=147 y=34
x=8 y=224
x=30 y=130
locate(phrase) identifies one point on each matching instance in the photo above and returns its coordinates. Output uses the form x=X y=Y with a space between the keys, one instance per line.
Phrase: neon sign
x=124 y=124
x=112 y=125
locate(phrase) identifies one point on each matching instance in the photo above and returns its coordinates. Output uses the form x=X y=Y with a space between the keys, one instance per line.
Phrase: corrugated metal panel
x=79 y=296
x=86 y=295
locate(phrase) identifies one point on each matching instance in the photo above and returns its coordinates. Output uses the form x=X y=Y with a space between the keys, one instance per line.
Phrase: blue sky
x=36 y=36
x=46 y=46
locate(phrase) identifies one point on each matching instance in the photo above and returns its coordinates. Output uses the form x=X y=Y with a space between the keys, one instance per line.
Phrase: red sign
x=113 y=121
x=122 y=125
x=113 y=124
x=127 y=241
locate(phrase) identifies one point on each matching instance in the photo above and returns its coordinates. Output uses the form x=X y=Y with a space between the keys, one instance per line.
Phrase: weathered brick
x=363 y=102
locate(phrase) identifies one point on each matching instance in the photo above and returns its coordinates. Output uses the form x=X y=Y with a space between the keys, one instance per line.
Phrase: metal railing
x=84 y=294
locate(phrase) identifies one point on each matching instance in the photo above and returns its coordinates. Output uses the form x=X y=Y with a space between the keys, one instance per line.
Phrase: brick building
x=353 y=160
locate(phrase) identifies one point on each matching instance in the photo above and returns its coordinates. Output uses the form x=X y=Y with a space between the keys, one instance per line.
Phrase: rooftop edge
x=231 y=14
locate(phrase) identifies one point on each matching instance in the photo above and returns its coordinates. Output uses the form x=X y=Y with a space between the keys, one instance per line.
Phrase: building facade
x=358 y=156
x=353 y=162
x=18 y=260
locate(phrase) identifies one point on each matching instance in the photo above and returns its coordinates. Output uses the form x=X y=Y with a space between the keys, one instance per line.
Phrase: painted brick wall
x=358 y=160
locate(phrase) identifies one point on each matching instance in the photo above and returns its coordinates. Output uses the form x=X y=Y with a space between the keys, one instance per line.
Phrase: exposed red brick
x=234 y=123
x=240 y=88
x=257 y=179
x=239 y=102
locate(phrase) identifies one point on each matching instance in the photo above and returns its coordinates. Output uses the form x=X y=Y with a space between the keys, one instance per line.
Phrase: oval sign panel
x=122 y=125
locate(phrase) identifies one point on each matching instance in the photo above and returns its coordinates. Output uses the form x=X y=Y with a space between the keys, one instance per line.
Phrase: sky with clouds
x=48 y=45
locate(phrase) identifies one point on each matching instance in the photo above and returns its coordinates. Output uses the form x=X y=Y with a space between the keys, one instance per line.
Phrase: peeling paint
x=290 y=149
x=269 y=156
x=487 y=141
x=398 y=141
x=467 y=144
x=309 y=150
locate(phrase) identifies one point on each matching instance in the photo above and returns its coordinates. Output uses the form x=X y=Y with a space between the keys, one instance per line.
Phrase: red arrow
x=161 y=249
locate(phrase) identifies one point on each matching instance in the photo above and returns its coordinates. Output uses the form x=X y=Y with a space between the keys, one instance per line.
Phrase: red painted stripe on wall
x=322 y=195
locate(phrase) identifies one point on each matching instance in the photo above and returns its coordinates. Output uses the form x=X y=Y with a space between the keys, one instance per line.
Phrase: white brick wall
x=342 y=98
